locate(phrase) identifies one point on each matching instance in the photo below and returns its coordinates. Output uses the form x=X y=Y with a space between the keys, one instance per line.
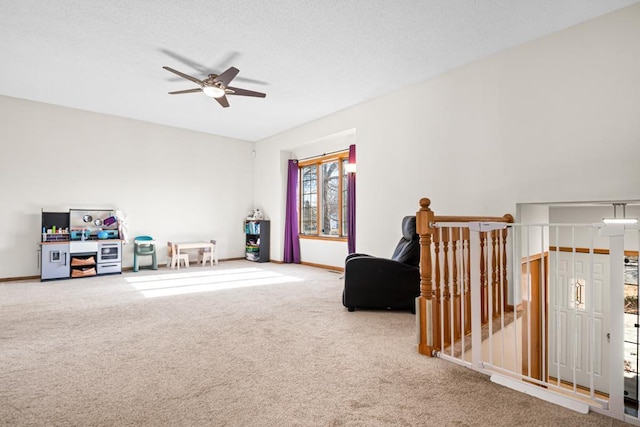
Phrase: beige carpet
x=277 y=350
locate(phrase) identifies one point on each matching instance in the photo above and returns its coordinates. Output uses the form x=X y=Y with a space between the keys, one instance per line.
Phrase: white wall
x=173 y=184
x=551 y=120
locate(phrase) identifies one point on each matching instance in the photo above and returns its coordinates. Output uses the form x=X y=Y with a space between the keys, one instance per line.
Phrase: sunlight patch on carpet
x=160 y=285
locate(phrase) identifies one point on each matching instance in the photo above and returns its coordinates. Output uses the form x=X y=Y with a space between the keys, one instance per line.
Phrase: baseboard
x=323 y=266
x=308 y=264
x=15 y=279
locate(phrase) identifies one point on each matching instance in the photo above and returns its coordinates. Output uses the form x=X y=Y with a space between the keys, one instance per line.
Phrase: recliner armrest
x=354 y=255
x=358 y=260
x=371 y=272
x=380 y=283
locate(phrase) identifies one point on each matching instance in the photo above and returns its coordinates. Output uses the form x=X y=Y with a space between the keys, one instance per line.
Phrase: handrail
x=424 y=207
x=441 y=218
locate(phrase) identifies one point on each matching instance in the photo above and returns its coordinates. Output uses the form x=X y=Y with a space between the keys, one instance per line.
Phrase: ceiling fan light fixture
x=215 y=86
x=213 y=91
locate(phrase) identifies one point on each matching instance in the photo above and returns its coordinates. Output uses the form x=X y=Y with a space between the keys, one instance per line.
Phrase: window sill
x=328 y=238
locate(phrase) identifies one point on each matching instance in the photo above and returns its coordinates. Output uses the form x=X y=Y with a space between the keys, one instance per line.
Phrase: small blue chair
x=144 y=246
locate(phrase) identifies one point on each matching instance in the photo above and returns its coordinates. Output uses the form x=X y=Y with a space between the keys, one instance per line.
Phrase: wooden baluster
x=483 y=278
x=446 y=294
x=495 y=288
x=466 y=249
x=501 y=288
x=437 y=289
x=429 y=326
x=456 y=291
x=456 y=287
x=505 y=282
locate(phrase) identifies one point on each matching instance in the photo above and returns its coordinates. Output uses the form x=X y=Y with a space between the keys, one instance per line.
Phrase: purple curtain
x=351 y=203
x=291 y=239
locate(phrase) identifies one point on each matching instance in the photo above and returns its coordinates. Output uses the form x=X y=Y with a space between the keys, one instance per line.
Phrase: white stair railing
x=558 y=342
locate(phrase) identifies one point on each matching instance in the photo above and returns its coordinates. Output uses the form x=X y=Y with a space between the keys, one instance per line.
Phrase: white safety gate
x=564 y=324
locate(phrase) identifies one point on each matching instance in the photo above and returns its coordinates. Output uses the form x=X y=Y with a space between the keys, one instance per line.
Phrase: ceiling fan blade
x=200 y=68
x=177 y=92
x=185 y=76
x=244 y=92
x=227 y=76
x=203 y=70
x=222 y=101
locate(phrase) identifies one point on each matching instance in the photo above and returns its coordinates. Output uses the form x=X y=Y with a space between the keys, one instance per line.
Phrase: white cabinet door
x=55 y=261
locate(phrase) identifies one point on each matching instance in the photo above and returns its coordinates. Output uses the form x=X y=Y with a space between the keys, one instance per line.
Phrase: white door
x=578 y=325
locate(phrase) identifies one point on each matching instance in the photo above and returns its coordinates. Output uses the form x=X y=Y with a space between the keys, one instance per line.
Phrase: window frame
x=342 y=157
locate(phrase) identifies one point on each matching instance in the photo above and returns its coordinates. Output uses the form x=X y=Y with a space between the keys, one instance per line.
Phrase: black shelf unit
x=257 y=240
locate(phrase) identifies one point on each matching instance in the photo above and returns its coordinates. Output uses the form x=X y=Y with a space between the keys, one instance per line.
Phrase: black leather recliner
x=381 y=283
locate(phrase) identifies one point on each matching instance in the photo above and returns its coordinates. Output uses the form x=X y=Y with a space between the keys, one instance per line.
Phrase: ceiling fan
x=216 y=86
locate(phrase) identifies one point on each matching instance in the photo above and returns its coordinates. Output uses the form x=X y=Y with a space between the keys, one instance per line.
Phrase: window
x=323 y=196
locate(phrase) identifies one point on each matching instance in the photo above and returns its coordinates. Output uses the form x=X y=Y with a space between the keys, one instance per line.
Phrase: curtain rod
x=323 y=154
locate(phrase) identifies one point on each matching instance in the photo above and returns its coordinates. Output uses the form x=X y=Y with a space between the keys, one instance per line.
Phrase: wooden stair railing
x=444 y=305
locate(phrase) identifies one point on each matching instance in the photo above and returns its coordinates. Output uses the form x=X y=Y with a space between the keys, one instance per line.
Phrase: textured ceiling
x=312 y=58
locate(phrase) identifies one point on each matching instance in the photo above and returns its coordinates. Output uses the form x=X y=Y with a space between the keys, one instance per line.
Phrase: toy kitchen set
x=79 y=243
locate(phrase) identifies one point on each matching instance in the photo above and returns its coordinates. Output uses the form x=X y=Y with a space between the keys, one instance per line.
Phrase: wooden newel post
x=428 y=307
